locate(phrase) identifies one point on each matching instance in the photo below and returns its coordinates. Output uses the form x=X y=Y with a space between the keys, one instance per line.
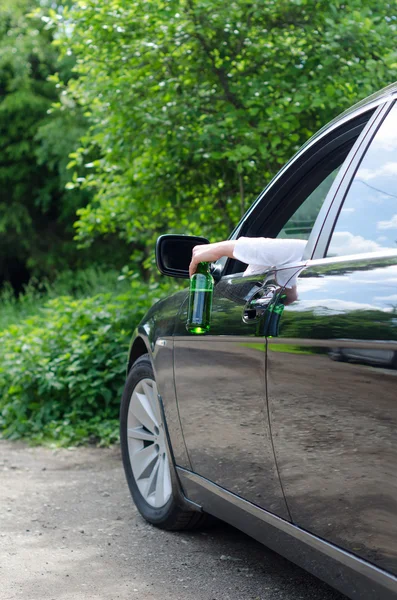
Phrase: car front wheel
x=147 y=459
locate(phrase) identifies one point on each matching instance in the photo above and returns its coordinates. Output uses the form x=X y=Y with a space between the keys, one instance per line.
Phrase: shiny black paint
x=359 y=579
x=221 y=393
x=156 y=332
x=334 y=423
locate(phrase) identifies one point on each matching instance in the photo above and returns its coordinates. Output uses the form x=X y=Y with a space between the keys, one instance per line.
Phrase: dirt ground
x=69 y=531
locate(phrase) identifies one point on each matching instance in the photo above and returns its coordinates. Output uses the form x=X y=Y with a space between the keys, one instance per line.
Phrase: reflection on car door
x=334 y=424
x=220 y=385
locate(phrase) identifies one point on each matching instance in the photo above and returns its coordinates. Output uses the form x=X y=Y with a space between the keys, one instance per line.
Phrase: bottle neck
x=203 y=268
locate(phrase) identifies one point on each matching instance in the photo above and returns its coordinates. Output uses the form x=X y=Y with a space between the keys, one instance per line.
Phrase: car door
x=221 y=392
x=220 y=377
x=331 y=370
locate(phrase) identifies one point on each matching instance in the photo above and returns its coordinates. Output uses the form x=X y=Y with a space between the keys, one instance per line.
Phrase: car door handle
x=257 y=306
x=255 y=311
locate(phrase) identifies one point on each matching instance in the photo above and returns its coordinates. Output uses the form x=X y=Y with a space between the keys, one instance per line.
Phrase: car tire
x=147 y=456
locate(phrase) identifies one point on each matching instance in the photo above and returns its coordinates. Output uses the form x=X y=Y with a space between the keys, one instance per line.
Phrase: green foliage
x=36 y=213
x=194 y=105
x=80 y=283
x=358 y=324
x=62 y=370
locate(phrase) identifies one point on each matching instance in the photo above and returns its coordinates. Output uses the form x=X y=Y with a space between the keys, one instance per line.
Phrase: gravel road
x=69 y=531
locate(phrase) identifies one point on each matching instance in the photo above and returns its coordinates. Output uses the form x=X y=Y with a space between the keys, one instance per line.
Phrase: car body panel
x=336 y=441
x=375 y=356
x=156 y=332
x=344 y=571
x=224 y=417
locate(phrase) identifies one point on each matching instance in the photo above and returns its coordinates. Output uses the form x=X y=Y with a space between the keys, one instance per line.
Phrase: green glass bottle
x=275 y=316
x=200 y=300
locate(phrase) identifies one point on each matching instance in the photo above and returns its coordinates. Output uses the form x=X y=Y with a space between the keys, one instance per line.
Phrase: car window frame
x=335 y=206
x=314 y=150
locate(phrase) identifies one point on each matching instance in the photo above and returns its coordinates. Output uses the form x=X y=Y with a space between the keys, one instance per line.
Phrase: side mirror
x=174 y=252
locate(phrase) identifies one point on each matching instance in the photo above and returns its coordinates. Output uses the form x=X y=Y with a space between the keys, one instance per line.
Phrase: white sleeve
x=269 y=252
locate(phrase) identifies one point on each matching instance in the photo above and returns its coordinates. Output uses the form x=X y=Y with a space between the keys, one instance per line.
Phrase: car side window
x=367 y=221
x=300 y=225
x=290 y=207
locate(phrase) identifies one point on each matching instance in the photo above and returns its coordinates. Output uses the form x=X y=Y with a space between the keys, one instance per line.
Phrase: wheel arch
x=137 y=349
x=187 y=514
x=161 y=357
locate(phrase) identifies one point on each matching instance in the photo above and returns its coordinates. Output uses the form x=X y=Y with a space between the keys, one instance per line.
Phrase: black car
x=254 y=423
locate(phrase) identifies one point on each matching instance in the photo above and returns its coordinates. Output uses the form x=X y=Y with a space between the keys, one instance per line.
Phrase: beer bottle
x=200 y=300
x=275 y=315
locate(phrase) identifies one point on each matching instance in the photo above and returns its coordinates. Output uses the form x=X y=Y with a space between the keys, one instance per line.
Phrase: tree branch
x=218 y=71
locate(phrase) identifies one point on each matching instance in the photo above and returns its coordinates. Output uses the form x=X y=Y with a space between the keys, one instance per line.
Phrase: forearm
x=225 y=248
x=211 y=253
x=266 y=252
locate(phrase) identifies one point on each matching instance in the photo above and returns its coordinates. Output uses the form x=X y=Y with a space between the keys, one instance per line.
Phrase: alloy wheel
x=147 y=444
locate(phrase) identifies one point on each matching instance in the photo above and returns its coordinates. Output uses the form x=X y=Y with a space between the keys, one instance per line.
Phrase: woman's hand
x=210 y=253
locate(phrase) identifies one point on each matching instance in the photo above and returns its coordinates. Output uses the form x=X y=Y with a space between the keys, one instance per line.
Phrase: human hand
x=210 y=253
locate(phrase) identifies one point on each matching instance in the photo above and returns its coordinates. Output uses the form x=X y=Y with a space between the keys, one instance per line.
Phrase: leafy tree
x=195 y=104
x=36 y=213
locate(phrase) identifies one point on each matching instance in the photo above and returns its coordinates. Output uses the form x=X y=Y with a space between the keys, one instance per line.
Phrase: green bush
x=80 y=283
x=62 y=370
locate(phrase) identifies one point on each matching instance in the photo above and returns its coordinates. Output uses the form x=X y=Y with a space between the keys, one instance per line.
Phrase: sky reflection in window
x=368 y=219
